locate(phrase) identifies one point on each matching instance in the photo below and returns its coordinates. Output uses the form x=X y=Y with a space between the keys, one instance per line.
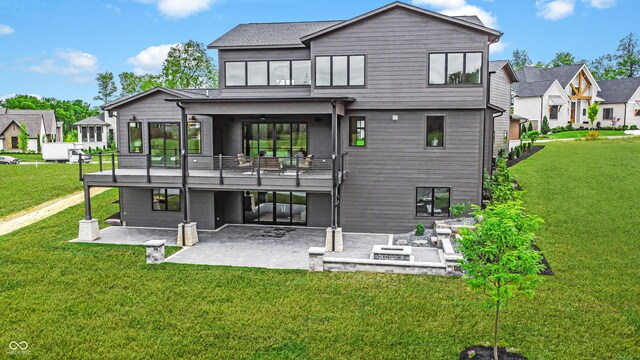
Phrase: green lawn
x=581 y=133
x=25 y=186
x=98 y=301
x=24 y=157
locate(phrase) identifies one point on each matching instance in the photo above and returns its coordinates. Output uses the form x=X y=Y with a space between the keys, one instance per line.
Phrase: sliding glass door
x=164 y=144
x=275 y=139
x=275 y=208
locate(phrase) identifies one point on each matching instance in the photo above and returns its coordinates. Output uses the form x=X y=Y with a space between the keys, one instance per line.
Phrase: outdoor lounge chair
x=243 y=163
x=306 y=163
x=268 y=164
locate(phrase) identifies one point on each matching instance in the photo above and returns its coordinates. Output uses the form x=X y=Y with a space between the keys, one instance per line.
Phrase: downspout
x=624 y=121
x=334 y=135
x=183 y=153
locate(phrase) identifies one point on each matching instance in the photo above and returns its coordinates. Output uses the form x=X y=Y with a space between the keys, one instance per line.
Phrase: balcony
x=227 y=173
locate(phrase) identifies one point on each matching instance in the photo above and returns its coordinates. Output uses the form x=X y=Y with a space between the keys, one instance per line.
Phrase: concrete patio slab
x=119 y=235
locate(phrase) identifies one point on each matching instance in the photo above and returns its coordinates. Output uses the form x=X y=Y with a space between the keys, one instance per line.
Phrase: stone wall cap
x=317 y=250
x=443 y=231
x=154 y=243
x=385 y=262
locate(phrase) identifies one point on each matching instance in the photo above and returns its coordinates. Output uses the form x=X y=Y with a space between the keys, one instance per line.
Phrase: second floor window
x=357 y=127
x=194 y=137
x=340 y=70
x=268 y=73
x=135 y=137
x=455 y=68
x=435 y=131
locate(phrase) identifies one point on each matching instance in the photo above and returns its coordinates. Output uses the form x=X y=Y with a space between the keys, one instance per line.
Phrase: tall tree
x=188 y=66
x=627 y=56
x=520 y=58
x=602 y=68
x=106 y=87
x=562 y=58
x=129 y=84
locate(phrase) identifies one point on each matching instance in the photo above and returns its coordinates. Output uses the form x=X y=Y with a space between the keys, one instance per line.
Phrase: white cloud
x=69 y=62
x=178 y=9
x=150 y=60
x=498 y=47
x=600 y=4
x=555 y=9
x=6 y=30
x=460 y=8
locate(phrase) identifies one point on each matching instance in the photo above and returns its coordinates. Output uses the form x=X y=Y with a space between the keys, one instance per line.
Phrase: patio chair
x=306 y=163
x=243 y=163
x=269 y=164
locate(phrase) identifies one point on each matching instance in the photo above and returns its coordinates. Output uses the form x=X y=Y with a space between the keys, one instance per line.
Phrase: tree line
x=624 y=62
x=187 y=66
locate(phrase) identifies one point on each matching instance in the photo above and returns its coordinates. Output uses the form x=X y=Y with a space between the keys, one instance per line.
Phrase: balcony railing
x=224 y=166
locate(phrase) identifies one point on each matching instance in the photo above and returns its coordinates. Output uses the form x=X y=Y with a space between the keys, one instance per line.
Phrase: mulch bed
x=525 y=155
x=547 y=269
x=486 y=353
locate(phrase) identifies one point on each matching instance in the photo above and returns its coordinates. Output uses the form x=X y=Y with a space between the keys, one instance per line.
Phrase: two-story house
x=372 y=124
x=562 y=94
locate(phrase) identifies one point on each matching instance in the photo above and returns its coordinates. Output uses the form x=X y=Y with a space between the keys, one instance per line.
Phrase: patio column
x=333 y=239
x=88 y=229
x=187 y=231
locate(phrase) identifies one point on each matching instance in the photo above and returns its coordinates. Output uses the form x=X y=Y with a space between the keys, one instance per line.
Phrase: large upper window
x=164 y=144
x=357 y=127
x=455 y=68
x=433 y=201
x=135 y=137
x=280 y=139
x=435 y=131
x=166 y=200
x=268 y=73
x=340 y=70
x=553 y=112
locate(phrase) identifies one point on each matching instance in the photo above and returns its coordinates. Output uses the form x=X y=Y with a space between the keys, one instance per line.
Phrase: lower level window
x=607 y=113
x=433 y=201
x=166 y=200
x=553 y=112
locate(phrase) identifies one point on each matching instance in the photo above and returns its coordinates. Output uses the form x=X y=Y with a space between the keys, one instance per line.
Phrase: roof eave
x=250 y=47
x=279 y=99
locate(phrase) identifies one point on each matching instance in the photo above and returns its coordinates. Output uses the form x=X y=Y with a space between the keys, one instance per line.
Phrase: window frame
x=166 y=203
x=268 y=85
x=348 y=56
x=444 y=132
x=433 y=200
x=16 y=142
x=351 y=128
x=603 y=114
x=636 y=112
x=557 y=112
x=464 y=69
x=189 y=122
x=139 y=125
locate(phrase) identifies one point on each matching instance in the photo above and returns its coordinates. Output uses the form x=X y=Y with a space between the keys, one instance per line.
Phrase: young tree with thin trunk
x=500 y=261
x=23 y=138
x=592 y=112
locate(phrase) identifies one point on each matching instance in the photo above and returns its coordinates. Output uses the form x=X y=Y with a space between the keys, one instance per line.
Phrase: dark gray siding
x=318 y=209
x=501 y=96
x=396 y=44
x=379 y=190
x=154 y=108
x=136 y=210
x=248 y=55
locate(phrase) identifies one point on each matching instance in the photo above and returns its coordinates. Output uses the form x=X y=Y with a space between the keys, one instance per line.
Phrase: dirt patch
x=525 y=155
x=486 y=353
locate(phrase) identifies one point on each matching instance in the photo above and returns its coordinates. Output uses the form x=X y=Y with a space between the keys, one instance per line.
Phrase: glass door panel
x=283 y=207
x=156 y=143
x=299 y=208
x=172 y=145
x=283 y=140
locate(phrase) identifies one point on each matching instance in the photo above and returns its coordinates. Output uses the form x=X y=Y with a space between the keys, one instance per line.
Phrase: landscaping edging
x=486 y=353
x=525 y=155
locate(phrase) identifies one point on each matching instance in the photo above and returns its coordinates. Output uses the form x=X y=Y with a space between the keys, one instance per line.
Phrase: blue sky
x=55 y=48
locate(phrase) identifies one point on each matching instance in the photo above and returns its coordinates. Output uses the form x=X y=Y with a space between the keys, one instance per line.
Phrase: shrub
x=502 y=189
x=501 y=153
x=625 y=127
x=419 y=230
x=633 y=127
x=592 y=135
x=534 y=135
x=523 y=130
x=569 y=126
x=545 y=125
x=512 y=154
x=457 y=210
x=598 y=125
x=518 y=151
x=486 y=183
x=530 y=128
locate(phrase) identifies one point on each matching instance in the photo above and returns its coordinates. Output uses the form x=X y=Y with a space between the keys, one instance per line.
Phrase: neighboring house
x=562 y=94
x=93 y=132
x=621 y=102
x=372 y=124
x=501 y=78
x=41 y=126
x=110 y=117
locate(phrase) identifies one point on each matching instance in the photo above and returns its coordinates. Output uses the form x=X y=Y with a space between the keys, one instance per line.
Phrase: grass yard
x=25 y=186
x=99 y=301
x=581 y=133
x=24 y=157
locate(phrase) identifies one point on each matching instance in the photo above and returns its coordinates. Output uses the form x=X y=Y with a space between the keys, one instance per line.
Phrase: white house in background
x=41 y=126
x=93 y=132
x=621 y=102
x=562 y=94
x=111 y=118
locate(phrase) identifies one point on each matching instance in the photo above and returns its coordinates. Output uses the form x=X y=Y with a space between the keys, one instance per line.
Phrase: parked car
x=4 y=160
x=76 y=155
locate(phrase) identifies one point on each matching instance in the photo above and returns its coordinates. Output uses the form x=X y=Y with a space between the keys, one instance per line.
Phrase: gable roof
x=92 y=120
x=618 y=90
x=532 y=88
x=182 y=93
x=272 y=35
x=496 y=65
x=463 y=21
x=564 y=74
x=49 y=117
x=33 y=122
